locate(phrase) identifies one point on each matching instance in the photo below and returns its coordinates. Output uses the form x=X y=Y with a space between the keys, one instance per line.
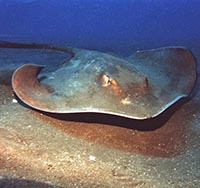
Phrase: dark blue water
x=111 y=25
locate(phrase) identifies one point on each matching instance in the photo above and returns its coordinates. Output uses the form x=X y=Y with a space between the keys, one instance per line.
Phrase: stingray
x=141 y=86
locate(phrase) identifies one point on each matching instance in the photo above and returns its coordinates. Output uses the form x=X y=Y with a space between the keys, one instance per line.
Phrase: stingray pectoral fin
x=171 y=68
x=27 y=87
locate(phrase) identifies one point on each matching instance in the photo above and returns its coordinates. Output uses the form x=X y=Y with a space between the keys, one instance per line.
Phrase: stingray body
x=139 y=87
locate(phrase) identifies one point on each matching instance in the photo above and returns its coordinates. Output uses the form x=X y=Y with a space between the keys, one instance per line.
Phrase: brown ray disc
x=140 y=87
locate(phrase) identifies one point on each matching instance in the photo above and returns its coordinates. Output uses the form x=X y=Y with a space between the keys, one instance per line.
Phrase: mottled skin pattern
x=97 y=82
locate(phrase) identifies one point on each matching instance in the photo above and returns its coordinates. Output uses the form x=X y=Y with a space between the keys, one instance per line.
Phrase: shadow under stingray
x=114 y=120
x=166 y=135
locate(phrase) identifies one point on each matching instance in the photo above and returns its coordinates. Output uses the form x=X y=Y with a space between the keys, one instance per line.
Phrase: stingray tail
x=5 y=44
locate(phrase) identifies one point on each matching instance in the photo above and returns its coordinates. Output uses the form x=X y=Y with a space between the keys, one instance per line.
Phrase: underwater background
x=39 y=150
x=109 y=25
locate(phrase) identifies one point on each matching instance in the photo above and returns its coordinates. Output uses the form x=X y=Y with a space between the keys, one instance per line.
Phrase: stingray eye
x=105 y=80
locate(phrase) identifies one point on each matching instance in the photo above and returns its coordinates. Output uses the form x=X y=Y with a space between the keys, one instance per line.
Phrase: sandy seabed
x=40 y=150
